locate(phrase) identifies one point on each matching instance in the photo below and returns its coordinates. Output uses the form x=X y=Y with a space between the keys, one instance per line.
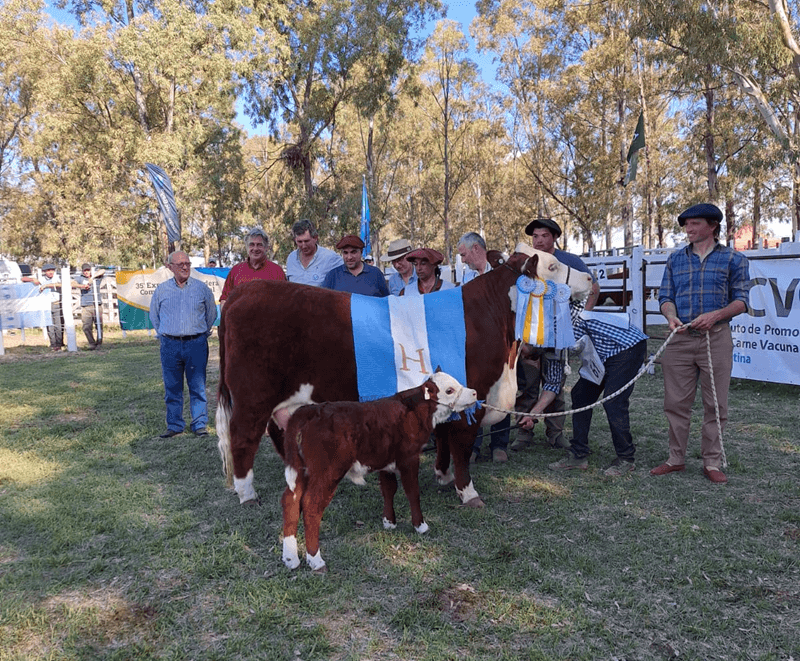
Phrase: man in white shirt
x=50 y=285
x=309 y=263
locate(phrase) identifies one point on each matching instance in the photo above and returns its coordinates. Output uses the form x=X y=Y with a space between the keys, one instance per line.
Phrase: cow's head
x=545 y=266
x=451 y=397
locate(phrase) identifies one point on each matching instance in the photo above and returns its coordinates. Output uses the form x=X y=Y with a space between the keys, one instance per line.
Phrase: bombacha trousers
x=685 y=362
x=187 y=357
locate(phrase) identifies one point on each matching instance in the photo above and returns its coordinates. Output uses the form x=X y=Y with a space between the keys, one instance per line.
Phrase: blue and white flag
x=166 y=201
x=365 y=219
x=24 y=306
x=401 y=340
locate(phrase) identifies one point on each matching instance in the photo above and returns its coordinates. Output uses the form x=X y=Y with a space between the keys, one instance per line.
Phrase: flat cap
x=349 y=241
x=86 y=267
x=543 y=223
x=707 y=211
x=49 y=267
x=433 y=256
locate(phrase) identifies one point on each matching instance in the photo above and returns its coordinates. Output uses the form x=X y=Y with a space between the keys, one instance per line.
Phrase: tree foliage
x=348 y=92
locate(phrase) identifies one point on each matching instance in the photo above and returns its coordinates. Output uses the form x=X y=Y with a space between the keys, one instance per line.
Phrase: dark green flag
x=633 y=153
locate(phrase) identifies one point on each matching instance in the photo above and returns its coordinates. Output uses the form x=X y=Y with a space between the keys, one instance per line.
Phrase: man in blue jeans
x=183 y=312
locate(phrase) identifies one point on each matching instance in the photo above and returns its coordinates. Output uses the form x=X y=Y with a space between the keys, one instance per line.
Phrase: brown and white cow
x=323 y=443
x=277 y=336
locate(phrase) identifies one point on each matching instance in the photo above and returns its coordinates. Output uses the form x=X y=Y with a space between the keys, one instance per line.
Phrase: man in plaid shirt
x=620 y=348
x=704 y=285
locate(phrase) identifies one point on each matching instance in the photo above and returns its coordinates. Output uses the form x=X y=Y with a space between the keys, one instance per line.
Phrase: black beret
x=546 y=223
x=707 y=211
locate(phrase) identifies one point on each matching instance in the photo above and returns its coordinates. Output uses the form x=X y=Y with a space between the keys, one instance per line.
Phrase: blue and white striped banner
x=400 y=340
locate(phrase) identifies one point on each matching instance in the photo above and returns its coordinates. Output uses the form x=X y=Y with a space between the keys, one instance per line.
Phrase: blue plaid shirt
x=608 y=339
x=697 y=287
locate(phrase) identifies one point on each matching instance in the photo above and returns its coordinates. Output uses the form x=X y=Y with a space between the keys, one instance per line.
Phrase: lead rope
x=629 y=384
x=716 y=401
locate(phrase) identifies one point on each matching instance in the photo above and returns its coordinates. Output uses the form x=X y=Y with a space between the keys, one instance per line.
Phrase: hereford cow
x=276 y=336
x=323 y=443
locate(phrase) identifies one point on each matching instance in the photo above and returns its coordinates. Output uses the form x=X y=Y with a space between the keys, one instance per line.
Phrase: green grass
x=116 y=544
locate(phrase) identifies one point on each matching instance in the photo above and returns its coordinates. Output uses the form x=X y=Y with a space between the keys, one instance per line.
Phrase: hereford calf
x=323 y=443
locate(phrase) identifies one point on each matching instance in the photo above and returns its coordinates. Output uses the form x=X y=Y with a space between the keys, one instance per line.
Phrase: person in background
x=472 y=249
x=369 y=260
x=704 y=285
x=212 y=263
x=90 y=305
x=183 y=311
x=426 y=263
x=530 y=374
x=405 y=274
x=256 y=267
x=51 y=282
x=354 y=275
x=309 y=263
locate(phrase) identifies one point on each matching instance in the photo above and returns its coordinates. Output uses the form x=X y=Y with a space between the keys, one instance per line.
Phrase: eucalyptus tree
x=140 y=82
x=20 y=70
x=452 y=90
x=753 y=46
x=568 y=67
x=337 y=52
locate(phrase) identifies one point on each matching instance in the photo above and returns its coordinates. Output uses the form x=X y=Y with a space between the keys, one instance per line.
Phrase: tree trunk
x=711 y=167
x=756 y=212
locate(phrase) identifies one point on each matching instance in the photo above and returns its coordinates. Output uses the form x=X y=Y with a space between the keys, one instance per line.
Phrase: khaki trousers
x=685 y=361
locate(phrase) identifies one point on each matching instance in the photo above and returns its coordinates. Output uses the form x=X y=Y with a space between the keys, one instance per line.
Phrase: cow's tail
x=223 y=419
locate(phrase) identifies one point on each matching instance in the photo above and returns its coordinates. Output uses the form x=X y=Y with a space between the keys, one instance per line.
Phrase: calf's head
x=450 y=396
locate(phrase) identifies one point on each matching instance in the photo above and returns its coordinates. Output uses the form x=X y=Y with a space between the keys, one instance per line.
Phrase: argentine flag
x=401 y=340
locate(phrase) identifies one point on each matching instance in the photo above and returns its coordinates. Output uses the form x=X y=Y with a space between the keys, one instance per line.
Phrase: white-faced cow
x=323 y=443
x=277 y=336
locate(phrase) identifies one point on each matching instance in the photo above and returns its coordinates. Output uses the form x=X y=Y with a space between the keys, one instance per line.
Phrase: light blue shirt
x=396 y=283
x=314 y=274
x=471 y=274
x=182 y=311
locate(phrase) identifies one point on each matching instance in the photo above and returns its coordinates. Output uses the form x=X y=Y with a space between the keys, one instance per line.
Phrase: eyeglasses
x=181 y=265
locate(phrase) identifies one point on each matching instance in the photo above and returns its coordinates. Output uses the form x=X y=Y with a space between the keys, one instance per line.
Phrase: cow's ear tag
x=427 y=393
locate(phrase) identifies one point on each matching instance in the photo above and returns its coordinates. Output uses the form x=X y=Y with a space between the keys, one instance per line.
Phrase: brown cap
x=349 y=241
x=433 y=256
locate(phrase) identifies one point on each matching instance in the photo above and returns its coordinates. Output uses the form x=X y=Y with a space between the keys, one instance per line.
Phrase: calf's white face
x=452 y=397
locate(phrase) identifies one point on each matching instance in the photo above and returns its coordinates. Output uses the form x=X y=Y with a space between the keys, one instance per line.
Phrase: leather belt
x=183 y=337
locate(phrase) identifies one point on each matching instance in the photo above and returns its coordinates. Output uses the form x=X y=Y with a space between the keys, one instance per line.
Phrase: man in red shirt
x=257 y=266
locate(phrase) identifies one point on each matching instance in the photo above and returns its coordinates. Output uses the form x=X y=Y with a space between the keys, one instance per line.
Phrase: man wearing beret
x=354 y=275
x=429 y=274
x=531 y=373
x=704 y=285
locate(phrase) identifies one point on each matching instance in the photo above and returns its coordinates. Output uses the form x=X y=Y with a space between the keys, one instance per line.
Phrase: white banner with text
x=766 y=338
